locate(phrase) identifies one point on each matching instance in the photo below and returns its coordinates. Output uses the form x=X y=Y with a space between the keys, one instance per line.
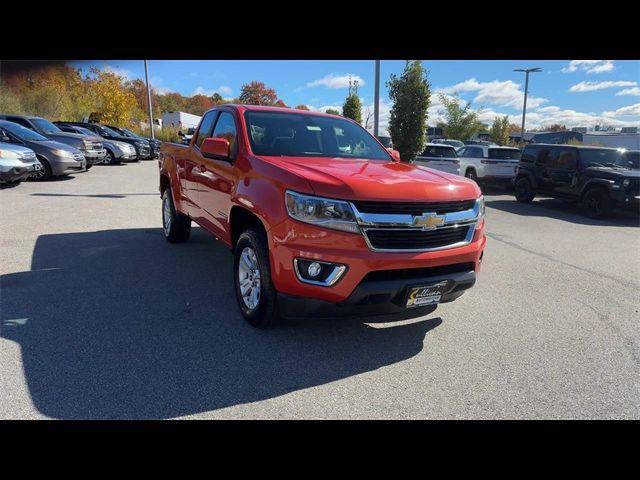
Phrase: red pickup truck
x=322 y=219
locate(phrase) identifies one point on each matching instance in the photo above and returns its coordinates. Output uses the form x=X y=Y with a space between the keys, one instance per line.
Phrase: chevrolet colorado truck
x=322 y=219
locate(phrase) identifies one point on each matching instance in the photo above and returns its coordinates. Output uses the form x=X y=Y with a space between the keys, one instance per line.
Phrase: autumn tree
x=257 y=93
x=217 y=99
x=499 y=131
x=114 y=103
x=280 y=103
x=302 y=107
x=411 y=97
x=352 y=107
x=332 y=111
x=198 y=104
x=460 y=123
x=556 y=127
x=513 y=128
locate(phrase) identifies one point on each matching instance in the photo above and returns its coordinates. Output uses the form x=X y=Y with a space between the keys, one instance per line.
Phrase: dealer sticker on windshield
x=426 y=295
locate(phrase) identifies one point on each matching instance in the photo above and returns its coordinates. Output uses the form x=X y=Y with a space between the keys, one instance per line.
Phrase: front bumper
x=143 y=153
x=65 y=165
x=94 y=156
x=291 y=239
x=626 y=200
x=17 y=172
x=376 y=298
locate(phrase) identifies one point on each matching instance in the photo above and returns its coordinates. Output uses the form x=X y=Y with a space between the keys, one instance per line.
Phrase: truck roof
x=264 y=108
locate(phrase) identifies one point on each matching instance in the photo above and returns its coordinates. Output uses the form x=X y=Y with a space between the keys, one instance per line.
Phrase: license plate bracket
x=424 y=295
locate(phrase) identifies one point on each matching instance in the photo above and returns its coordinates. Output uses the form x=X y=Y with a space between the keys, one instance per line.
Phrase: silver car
x=17 y=163
x=115 y=151
x=56 y=158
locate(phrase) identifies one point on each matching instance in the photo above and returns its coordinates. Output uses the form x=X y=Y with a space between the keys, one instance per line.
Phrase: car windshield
x=22 y=133
x=440 y=152
x=45 y=125
x=107 y=131
x=86 y=131
x=304 y=135
x=603 y=158
x=504 y=153
x=129 y=133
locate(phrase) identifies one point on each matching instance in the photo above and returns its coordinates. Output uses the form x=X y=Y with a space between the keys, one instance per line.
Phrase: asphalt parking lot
x=101 y=318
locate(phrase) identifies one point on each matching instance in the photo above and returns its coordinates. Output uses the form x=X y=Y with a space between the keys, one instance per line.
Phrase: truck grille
x=416 y=239
x=413 y=208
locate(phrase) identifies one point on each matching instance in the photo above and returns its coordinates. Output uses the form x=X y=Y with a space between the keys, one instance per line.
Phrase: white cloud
x=127 y=74
x=549 y=109
x=335 y=81
x=504 y=93
x=592 y=86
x=161 y=90
x=635 y=91
x=630 y=110
x=222 y=90
x=589 y=66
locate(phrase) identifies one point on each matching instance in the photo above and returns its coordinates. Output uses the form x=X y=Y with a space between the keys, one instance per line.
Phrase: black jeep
x=600 y=178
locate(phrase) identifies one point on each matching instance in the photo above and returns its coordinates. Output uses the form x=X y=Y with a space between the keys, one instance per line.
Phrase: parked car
x=153 y=142
x=489 y=164
x=91 y=147
x=448 y=141
x=115 y=151
x=318 y=229
x=186 y=138
x=439 y=157
x=479 y=142
x=633 y=157
x=17 y=163
x=600 y=178
x=386 y=141
x=143 y=149
x=56 y=158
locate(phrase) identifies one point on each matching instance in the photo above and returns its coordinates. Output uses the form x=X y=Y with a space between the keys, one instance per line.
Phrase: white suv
x=439 y=157
x=489 y=163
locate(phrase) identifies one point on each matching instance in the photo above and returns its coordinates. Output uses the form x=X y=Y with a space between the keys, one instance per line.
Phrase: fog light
x=314 y=269
x=315 y=272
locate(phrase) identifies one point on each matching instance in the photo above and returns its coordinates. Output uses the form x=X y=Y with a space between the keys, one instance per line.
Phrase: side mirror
x=5 y=139
x=216 y=148
x=395 y=154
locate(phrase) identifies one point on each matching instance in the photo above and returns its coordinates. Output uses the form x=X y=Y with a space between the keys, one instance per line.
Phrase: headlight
x=63 y=153
x=140 y=144
x=626 y=182
x=481 y=205
x=323 y=212
x=9 y=154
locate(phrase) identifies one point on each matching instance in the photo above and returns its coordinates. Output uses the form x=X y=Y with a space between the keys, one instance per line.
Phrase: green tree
x=10 y=102
x=461 y=123
x=331 y=111
x=411 y=97
x=302 y=107
x=499 y=131
x=352 y=107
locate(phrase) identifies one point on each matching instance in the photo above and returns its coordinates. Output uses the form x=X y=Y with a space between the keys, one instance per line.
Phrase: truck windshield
x=45 y=125
x=600 y=157
x=22 y=133
x=129 y=133
x=104 y=131
x=304 y=135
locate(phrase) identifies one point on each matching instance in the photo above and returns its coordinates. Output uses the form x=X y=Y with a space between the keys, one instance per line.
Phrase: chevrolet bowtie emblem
x=428 y=221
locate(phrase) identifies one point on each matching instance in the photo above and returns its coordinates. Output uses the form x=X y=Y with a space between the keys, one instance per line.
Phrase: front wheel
x=175 y=226
x=471 y=175
x=45 y=173
x=255 y=292
x=597 y=203
x=524 y=190
x=109 y=158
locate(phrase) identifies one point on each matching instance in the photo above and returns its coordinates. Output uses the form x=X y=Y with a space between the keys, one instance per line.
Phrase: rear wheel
x=255 y=292
x=175 y=226
x=524 y=190
x=471 y=175
x=597 y=203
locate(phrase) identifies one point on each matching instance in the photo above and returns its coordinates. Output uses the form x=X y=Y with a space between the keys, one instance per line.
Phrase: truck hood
x=62 y=136
x=610 y=172
x=361 y=179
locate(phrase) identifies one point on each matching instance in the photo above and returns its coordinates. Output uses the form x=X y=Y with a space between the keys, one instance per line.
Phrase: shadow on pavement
x=122 y=324
x=103 y=195
x=566 y=211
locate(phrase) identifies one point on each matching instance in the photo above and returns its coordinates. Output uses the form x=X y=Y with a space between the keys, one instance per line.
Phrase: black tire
x=89 y=165
x=524 y=190
x=45 y=173
x=265 y=313
x=178 y=229
x=109 y=159
x=471 y=174
x=597 y=203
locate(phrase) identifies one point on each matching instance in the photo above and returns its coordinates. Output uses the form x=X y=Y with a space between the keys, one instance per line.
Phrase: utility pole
x=527 y=71
x=376 y=100
x=146 y=76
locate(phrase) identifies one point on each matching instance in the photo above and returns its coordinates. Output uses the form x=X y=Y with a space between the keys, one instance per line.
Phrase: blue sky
x=572 y=92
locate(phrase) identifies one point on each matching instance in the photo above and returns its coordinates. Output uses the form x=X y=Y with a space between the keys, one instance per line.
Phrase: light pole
x=146 y=76
x=376 y=100
x=527 y=71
